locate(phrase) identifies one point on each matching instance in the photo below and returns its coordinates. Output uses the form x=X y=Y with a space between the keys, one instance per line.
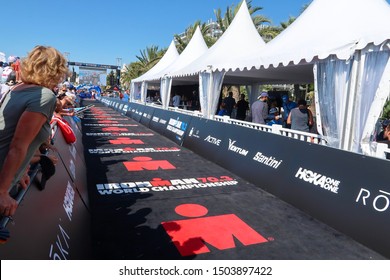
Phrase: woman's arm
x=311 y=119
x=289 y=118
x=29 y=124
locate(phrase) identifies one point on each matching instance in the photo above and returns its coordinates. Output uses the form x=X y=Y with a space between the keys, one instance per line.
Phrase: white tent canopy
x=169 y=57
x=139 y=85
x=341 y=45
x=327 y=27
x=195 y=48
x=240 y=40
x=347 y=42
x=339 y=36
x=159 y=73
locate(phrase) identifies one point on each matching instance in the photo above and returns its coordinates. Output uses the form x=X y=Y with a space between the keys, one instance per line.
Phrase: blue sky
x=101 y=31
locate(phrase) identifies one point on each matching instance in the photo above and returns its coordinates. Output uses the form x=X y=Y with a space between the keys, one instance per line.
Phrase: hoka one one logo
x=317 y=179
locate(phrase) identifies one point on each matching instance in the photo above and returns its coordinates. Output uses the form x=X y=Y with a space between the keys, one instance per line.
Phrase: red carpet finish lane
x=151 y=198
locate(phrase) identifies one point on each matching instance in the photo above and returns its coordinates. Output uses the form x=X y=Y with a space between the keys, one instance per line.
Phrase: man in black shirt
x=230 y=102
x=242 y=107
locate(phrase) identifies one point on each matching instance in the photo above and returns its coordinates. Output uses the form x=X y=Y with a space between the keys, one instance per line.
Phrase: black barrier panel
x=147 y=115
x=170 y=124
x=121 y=107
x=78 y=145
x=345 y=190
x=128 y=107
x=72 y=156
x=106 y=101
x=115 y=104
x=124 y=108
x=205 y=137
x=135 y=112
x=50 y=224
x=159 y=120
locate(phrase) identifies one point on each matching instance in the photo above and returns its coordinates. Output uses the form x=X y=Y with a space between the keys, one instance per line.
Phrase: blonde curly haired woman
x=25 y=114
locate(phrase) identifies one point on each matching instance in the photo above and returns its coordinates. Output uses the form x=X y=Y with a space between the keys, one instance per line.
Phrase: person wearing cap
x=288 y=105
x=259 y=109
x=274 y=117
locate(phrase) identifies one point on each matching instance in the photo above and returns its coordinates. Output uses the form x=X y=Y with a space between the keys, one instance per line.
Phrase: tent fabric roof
x=328 y=27
x=169 y=57
x=241 y=39
x=195 y=48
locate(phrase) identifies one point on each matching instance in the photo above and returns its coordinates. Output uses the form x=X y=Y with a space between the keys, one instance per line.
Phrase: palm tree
x=132 y=71
x=110 y=80
x=386 y=110
x=268 y=32
x=182 y=40
x=287 y=23
x=148 y=58
x=258 y=20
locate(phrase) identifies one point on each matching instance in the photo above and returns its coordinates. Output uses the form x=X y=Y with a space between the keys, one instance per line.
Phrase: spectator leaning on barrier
x=67 y=104
x=24 y=118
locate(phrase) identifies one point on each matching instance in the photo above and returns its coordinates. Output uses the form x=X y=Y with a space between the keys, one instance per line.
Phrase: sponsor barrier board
x=172 y=125
x=346 y=190
x=53 y=223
